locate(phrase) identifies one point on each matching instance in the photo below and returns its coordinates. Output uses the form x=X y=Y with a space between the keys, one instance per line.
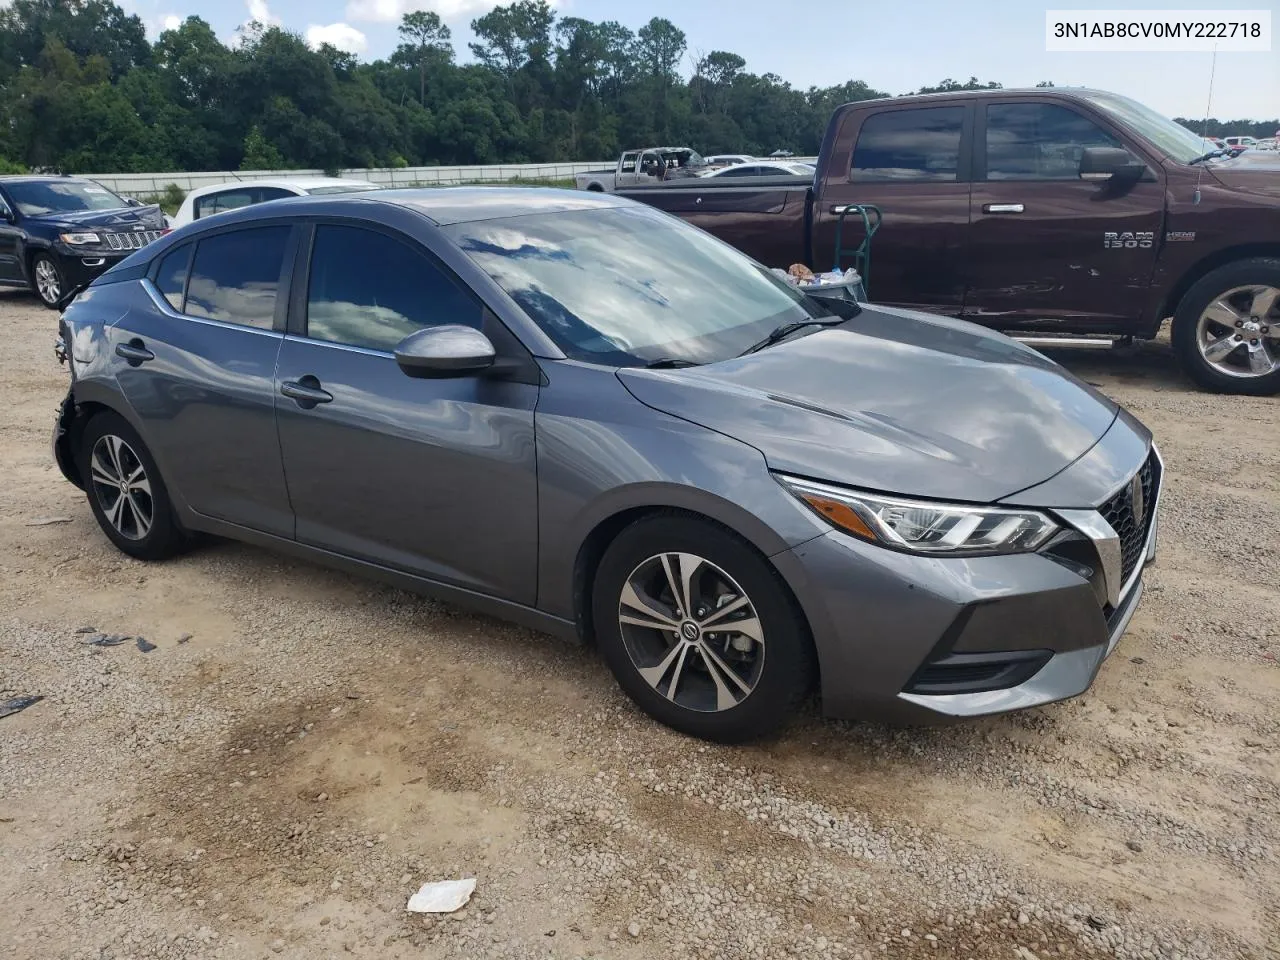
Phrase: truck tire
x=1226 y=330
x=595 y=188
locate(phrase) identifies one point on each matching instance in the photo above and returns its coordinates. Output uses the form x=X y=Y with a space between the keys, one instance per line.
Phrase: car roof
x=1070 y=93
x=288 y=183
x=43 y=178
x=441 y=205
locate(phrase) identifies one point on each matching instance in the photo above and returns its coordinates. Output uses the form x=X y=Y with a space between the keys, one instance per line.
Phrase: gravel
x=298 y=751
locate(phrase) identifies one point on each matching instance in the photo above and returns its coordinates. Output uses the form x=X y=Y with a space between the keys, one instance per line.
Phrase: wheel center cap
x=1252 y=326
x=689 y=630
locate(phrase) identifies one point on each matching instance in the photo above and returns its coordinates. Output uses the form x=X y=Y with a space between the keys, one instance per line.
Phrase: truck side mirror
x=1114 y=164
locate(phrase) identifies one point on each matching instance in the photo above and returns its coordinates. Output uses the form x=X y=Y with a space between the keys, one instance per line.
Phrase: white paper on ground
x=443 y=896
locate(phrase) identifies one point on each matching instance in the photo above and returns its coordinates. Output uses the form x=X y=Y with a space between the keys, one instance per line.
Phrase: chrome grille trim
x=134 y=240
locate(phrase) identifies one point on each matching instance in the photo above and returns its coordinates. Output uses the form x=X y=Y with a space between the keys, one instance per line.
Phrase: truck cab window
x=909 y=145
x=1039 y=141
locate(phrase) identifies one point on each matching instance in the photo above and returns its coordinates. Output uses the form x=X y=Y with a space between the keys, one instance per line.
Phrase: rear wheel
x=699 y=630
x=1226 y=331
x=46 y=279
x=126 y=494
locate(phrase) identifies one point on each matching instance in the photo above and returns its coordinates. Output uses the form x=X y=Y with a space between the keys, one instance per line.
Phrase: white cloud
x=340 y=35
x=390 y=11
x=258 y=11
x=172 y=21
x=157 y=25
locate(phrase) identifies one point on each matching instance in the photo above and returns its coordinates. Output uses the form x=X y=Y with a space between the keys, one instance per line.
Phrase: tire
x=1217 y=312
x=771 y=658
x=47 y=280
x=142 y=523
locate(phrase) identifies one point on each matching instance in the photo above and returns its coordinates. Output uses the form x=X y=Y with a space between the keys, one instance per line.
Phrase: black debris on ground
x=17 y=705
x=107 y=640
x=86 y=630
x=145 y=645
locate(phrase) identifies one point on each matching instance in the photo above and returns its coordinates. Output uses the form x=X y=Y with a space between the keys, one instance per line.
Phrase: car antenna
x=1204 y=127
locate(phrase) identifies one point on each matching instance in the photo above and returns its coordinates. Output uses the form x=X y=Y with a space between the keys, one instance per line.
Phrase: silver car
x=584 y=415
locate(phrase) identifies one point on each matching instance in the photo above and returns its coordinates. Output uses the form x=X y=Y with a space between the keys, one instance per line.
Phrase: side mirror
x=133 y=201
x=451 y=350
x=1110 y=163
x=6 y=215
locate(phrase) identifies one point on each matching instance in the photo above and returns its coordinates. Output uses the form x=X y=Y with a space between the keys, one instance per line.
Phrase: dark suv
x=57 y=233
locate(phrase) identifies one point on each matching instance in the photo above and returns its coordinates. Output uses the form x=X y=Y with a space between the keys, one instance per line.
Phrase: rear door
x=198 y=369
x=1046 y=248
x=913 y=163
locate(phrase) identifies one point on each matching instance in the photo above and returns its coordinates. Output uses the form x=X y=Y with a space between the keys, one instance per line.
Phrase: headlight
x=80 y=239
x=921 y=526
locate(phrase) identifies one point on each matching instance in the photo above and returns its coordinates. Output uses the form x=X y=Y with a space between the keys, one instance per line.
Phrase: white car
x=220 y=197
x=778 y=168
x=728 y=159
x=1240 y=141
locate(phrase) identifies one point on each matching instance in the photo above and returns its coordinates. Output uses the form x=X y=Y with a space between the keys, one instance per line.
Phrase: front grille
x=135 y=240
x=1119 y=512
x=976 y=672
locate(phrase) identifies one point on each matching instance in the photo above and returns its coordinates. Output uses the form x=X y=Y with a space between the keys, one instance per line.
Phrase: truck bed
x=766 y=217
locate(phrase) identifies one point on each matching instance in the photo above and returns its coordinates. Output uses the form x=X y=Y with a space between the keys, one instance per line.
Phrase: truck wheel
x=595 y=188
x=1226 y=331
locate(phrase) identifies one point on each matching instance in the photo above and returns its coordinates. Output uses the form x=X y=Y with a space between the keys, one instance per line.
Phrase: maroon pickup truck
x=1052 y=211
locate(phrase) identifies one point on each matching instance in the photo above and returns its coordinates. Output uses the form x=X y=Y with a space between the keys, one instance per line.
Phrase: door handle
x=135 y=352
x=305 y=391
x=1002 y=208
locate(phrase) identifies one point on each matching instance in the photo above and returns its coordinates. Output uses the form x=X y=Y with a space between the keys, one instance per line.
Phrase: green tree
x=259 y=154
x=427 y=40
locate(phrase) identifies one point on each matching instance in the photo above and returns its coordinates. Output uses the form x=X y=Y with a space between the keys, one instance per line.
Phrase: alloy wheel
x=122 y=487
x=691 y=632
x=47 y=283
x=1238 y=333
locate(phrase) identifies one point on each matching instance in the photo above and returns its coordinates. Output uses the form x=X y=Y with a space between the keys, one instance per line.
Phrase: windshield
x=629 y=285
x=1172 y=139
x=344 y=188
x=35 y=198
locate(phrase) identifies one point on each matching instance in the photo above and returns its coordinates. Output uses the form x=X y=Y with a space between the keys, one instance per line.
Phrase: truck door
x=913 y=163
x=1047 y=248
x=627 y=170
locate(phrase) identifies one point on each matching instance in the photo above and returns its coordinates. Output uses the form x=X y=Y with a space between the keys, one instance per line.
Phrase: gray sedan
x=581 y=414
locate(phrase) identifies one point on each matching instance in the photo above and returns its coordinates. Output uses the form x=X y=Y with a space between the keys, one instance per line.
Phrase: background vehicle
x=206 y=201
x=763 y=169
x=650 y=165
x=59 y=232
x=1239 y=141
x=355 y=380
x=1059 y=211
x=727 y=159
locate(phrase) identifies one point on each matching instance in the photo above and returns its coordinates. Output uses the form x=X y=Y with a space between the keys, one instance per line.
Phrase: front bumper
x=79 y=266
x=910 y=638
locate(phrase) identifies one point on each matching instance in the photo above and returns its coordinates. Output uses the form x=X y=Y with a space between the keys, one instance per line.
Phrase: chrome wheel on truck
x=1226 y=330
x=1239 y=332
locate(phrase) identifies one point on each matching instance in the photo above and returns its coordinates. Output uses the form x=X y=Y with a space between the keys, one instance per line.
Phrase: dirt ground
x=279 y=783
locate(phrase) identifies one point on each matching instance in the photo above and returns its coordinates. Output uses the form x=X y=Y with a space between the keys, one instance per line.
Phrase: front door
x=1046 y=248
x=912 y=163
x=10 y=243
x=199 y=371
x=433 y=477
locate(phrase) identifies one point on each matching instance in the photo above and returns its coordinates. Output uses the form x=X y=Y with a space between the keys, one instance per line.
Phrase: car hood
x=1253 y=171
x=123 y=218
x=895 y=401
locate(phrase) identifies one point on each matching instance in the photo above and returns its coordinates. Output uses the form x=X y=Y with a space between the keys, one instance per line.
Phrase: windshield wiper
x=670 y=363
x=1207 y=156
x=789 y=328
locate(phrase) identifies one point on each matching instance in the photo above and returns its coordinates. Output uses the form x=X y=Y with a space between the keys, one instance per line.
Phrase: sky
x=896 y=47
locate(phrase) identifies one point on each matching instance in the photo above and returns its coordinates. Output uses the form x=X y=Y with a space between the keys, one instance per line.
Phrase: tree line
x=83 y=90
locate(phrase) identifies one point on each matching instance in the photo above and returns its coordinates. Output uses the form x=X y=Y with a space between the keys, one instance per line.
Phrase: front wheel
x=46 y=279
x=699 y=630
x=1226 y=330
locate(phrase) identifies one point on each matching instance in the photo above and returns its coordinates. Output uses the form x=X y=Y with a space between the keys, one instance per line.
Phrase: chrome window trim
x=165 y=307
x=349 y=347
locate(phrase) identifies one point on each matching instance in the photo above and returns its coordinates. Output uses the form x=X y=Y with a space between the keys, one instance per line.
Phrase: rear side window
x=1039 y=141
x=369 y=290
x=171 y=275
x=235 y=276
x=909 y=146
x=225 y=200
